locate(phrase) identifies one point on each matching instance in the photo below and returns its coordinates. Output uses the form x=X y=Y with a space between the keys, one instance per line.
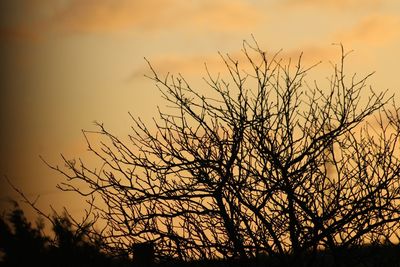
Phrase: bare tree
x=269 y=165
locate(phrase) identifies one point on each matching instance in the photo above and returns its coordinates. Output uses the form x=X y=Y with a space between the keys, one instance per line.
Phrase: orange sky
x=66 y=63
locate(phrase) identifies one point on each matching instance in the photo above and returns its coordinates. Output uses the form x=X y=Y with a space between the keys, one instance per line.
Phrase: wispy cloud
x=312 y=54
x=336 y=4
x=108 y=15
x=224 y=15
x=22 y=19
x=374 y=29
x=194 y=64
x=76 y=16
x=94 y=15
x=18 y=33
x=178 y=63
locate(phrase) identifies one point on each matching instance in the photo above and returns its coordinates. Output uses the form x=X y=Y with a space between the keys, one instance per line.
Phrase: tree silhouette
x=23 y=244
x=266 y=163
x=20 y=241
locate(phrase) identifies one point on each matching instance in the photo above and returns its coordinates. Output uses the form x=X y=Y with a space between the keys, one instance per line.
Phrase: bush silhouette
x=26 y=245
x=21 y=243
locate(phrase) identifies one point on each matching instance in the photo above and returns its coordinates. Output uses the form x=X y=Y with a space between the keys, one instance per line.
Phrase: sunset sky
x=67 y=63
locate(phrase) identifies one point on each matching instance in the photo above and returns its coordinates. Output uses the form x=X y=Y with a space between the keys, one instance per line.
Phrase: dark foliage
x=21 y=242
x=24 y=244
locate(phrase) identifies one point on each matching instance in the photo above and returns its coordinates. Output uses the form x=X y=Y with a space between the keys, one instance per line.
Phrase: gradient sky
x=67 y=63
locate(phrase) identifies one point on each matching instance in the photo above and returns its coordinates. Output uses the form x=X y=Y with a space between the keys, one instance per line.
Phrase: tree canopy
x=269 y=163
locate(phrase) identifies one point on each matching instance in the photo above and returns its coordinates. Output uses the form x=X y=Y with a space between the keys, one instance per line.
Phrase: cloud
x=104 y=16
x=108 y=15
x=194 y=64
x=184 y=64
x=312 y=54
x=224 y=15
x=18 y=33
x=373 y=30
x=21 y=19
x=336 y=4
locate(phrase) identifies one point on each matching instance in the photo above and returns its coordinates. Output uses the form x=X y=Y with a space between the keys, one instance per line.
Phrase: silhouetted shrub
x=23 y=244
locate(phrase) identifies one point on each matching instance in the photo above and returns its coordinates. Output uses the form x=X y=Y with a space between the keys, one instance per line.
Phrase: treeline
x=23 y=243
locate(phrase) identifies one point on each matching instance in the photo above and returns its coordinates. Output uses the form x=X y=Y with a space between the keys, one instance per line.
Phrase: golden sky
x=67 y=63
